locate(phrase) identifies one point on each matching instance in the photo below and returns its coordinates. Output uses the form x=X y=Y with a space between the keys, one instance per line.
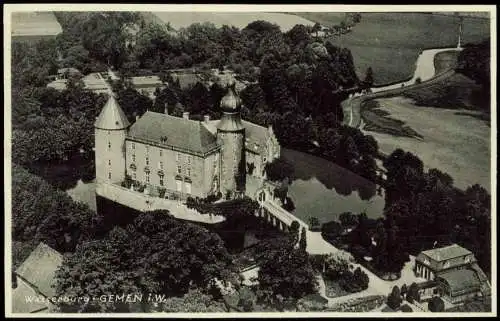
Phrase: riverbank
x=453 y=142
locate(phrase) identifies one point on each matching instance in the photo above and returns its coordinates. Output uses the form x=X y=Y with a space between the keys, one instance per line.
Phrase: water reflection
x=323 y=189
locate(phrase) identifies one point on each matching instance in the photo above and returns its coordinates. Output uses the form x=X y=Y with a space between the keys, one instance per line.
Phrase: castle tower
x=231 y=135
x=110 y=130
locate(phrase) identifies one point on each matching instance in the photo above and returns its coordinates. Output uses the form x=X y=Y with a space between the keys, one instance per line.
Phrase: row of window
x=178 y=183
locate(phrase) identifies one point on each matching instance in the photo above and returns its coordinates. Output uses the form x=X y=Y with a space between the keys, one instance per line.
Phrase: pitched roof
x=112 y=116
x=255 y=135
x=180 y=133
x=447 y=252
x=461 y=280
x=40 y=267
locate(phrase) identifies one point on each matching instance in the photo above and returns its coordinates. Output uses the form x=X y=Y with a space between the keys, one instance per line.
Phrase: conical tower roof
x=112 y=116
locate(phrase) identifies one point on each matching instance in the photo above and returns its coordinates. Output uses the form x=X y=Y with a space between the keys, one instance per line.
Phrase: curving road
x=424 y=70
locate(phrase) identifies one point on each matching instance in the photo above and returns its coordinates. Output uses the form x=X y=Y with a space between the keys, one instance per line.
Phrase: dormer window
x=468 y=259
x=446 y=264
x=426 y=261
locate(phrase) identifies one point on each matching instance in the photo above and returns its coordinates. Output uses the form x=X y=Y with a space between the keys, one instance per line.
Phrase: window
x=177 y=156
x=189 y=160
x=109 y=145
x=133 y=145
x=134 y=175
x=160 y=165
x=178 y=184
x=109 y=162
x=147 y=177
x=188 y=171
x=109 y=175
x=188 y=188
x=133 y=158
x=161 y=180
x=179 y=169
x=161 y=153
x=147 y=160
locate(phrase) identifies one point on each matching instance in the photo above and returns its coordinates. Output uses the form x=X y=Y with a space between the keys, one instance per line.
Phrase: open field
x=238 y=19
x=445 y=60
x=453 y=142
x=32 y=24
x=391 y=42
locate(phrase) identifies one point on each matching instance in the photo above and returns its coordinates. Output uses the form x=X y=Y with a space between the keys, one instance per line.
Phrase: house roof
x=461 y=280
x=112 y=116
x=255 y=135
x=21 y=305
x=40 y=267
x=446 y=257
x=180 y=133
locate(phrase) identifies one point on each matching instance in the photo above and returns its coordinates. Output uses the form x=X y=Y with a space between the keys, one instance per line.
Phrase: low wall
x=144 y=203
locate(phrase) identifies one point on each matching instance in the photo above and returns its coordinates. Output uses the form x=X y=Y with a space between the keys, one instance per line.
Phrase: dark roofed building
x=36 y=279
x=456 y=271
x=432 y=262
x=459 y=285
x=178 y=133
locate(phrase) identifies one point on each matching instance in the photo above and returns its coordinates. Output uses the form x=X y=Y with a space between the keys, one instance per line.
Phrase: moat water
x=319 y=188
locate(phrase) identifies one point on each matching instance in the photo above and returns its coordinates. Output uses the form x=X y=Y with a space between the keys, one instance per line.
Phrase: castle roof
x=112 y=116
x=231 y=102
x=176 y=132
x=40 y=267
x=255 y=135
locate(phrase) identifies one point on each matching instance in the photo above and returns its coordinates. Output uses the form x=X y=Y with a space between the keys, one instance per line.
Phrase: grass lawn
x=456 y=92
x=391 y=42
x=445 y=60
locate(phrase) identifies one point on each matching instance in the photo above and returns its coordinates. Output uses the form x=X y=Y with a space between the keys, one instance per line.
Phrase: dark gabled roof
x=461 y=280
x=40 y=267
x=180 y=133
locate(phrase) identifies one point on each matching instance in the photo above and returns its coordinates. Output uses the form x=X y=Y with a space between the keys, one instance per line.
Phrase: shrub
x=436 y=304
x=394 y=299
x=404 y=290
x=413 y=294
x=331 y=230
x=406 y=308
x=314 y=224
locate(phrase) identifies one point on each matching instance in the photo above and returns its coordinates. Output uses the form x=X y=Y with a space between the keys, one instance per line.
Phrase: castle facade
x=180 y=156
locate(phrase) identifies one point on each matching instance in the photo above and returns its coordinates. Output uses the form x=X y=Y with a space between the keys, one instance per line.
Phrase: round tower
x=231 y=135
x=110 y=132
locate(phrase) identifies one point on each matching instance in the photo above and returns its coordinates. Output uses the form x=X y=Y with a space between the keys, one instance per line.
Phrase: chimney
x=185 y=115
x=206 y=118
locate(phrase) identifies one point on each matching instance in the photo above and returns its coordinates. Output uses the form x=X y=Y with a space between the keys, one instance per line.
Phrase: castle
x=180 y=156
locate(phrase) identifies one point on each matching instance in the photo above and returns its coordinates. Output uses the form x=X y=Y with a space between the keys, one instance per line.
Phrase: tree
x=279 y=169
x=436 y=304
x=193 y=301
x=303 y=240
x=347 y=219
x=404 y=290
x=413 y=293
x=314 y=223
x=368 y=82
x=287 y=273
x=394 y=299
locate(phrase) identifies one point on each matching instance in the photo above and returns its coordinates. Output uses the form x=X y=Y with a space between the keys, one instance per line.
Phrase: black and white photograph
x=250 y=160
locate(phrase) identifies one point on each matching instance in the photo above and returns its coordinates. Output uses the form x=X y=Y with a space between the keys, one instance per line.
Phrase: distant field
x=238 y=19
x=391 y=42
x=33 y=24
x=454 y=141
